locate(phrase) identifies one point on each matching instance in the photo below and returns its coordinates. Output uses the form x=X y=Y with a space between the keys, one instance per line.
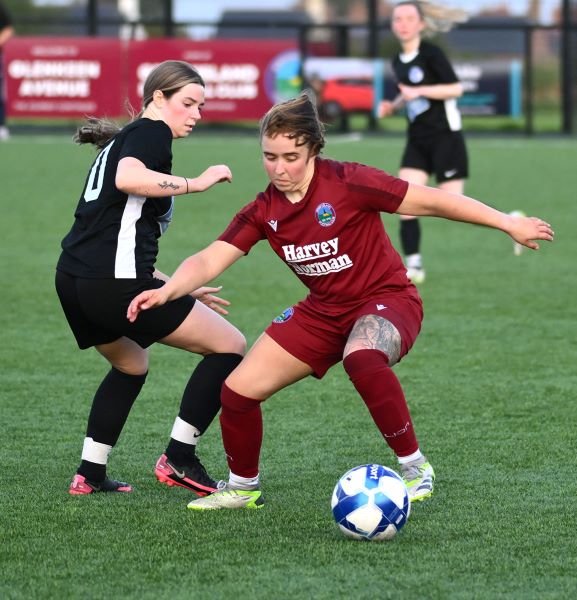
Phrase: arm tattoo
x=165 y=185
x=372 y=332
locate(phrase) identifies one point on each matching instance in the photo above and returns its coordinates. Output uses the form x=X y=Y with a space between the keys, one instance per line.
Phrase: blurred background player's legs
x=410 y=231
x=200 y=404
x=410 y=234
x=410 y=227
x=4 y=133
x=6 y=32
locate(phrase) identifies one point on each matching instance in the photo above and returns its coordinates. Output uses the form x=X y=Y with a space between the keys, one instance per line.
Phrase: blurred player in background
x=6 y=32
x=109 y=255
x=429 y=89
x=322 y=218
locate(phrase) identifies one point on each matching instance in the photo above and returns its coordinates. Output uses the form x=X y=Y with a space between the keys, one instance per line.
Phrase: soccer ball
x=370 y=502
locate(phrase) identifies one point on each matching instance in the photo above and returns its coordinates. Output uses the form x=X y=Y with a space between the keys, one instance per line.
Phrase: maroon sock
x=382 y=393
x=241 y=425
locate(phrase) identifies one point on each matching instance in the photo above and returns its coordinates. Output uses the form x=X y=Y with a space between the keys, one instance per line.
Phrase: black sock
x=179 y=453
x=410 y=233
x=92 y=471
x=201 y=399
x=110 y=407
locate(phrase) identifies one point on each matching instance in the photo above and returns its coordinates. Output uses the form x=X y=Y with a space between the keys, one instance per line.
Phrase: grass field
x=491 y=383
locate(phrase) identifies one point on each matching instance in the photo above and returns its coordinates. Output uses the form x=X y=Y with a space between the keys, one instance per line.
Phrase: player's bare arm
x=207 y=295
x=193 y=272
x=388 y=107
x=432 y=202
x=133 y=177
x=6 y=34
x=439 y=91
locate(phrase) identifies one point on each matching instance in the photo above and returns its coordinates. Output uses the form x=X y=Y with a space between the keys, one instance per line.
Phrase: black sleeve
x=151 y=144
x=441 y=67
x=5 y=19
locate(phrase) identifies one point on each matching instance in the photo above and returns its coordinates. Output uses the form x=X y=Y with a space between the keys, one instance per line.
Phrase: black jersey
x=5 y=19
x=428 y=66
x=115 y=235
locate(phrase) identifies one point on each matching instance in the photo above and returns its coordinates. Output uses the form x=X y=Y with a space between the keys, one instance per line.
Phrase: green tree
x=30 y=19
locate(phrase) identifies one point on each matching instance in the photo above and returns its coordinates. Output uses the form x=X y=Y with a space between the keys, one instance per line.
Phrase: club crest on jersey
x=325 y=214
x=416 y=74
x=284 y=316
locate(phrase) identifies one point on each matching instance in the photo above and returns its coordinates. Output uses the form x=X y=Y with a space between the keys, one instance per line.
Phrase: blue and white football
x=370 y=502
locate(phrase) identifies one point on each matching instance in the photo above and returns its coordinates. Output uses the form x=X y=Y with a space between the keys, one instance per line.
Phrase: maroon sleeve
x=373 y=189
x=245 y=230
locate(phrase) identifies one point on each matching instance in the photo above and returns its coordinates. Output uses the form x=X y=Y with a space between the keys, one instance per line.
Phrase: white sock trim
x=403 y=460
x=184 y=432
x=413 y=261
x=242 y=483
x=95 y=452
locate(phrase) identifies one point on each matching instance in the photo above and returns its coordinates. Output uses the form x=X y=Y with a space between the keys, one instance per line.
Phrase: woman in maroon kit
x=322 y=218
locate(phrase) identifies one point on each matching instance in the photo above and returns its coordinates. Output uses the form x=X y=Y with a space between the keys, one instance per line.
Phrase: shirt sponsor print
x=296 y=255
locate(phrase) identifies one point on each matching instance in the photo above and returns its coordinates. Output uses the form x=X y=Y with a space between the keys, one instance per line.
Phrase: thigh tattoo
x=372 y=332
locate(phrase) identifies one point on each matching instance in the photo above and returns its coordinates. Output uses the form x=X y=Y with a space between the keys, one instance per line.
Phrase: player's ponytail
x=437 y=18
x=96 y=131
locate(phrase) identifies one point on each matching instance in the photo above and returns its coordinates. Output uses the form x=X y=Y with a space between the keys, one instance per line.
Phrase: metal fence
x=548 y=53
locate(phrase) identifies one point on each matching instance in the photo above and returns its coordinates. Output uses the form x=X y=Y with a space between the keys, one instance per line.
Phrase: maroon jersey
x=334 y=238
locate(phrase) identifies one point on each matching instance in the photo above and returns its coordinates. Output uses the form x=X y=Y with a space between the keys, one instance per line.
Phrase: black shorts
x=444 y=155
x=96 y=310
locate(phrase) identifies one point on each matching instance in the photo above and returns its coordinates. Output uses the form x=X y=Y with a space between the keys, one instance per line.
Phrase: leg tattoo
x=372 y=332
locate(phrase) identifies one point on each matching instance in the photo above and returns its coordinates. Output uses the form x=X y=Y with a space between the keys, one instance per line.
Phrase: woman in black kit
x=108 y=257
x=428 y=89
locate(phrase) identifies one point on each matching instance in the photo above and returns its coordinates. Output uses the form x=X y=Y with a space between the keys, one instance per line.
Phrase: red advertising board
x=63 y=77
x=243 y=77
x=75 y=77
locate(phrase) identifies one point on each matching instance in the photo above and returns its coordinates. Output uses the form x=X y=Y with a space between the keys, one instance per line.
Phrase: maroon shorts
x=318 y=337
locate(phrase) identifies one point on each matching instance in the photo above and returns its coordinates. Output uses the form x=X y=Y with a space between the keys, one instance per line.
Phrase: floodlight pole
x=92 y=18
x=168 y=18
x=373 y=43
x=373 y=27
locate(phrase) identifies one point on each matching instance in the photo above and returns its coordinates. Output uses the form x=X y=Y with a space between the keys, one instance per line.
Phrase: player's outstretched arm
x=438 y=91
x=387 y=107
x=425 y=201
x=193 y=272
x=144 y=301
x=209 y=177
x=207 y=295
x=133 y=177
x=525 y=230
